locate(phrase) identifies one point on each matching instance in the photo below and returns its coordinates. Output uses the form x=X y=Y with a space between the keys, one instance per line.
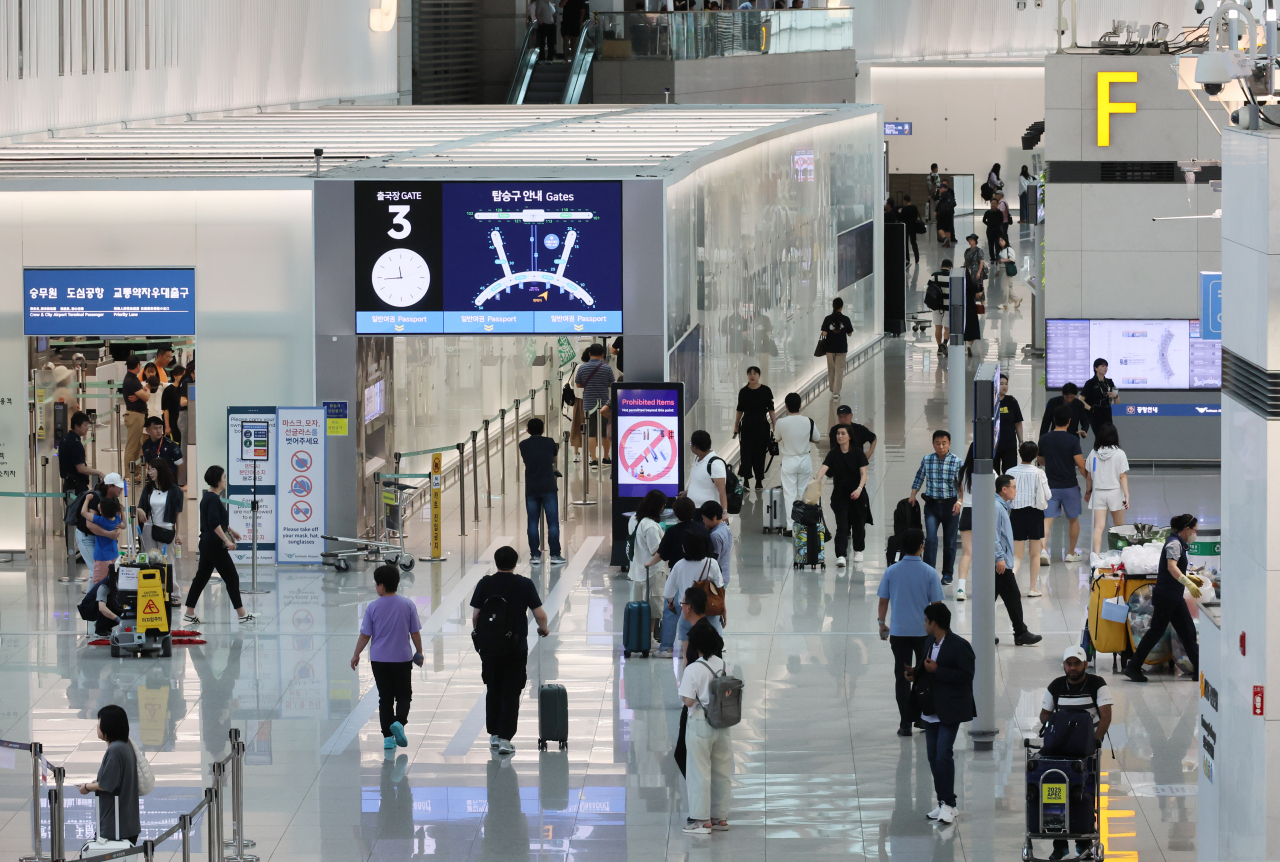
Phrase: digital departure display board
x=490 y=257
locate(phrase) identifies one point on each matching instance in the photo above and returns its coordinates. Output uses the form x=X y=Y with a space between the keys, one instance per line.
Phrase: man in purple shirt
x=390 y=622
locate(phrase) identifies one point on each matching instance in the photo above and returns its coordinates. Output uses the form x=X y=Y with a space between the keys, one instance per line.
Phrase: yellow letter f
x=1106 y=107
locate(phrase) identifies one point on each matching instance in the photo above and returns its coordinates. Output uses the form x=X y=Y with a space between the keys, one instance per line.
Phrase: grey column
x=643 y=281
x=335 y=314
x=982 y=571
x=956 y=370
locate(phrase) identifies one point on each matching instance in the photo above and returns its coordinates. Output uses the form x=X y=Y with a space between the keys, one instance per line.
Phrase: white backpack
x=146 y=778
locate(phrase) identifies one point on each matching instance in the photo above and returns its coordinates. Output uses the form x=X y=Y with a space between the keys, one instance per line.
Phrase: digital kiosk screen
x=648 y=440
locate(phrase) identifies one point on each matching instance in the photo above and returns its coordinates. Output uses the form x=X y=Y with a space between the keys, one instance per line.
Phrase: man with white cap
x=111 y=488
x=1078 y=689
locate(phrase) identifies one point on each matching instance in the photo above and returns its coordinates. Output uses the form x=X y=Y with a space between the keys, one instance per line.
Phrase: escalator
x=538 y=82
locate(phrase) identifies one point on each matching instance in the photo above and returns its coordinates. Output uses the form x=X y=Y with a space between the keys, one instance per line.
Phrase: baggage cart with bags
x=1063 y=801
x=775 y=515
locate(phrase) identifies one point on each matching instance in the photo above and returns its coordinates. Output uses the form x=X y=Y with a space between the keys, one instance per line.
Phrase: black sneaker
x=1027 y=639
x=787 y=534
x=1134 y=673
x=759 y=486
x=946 y=580
x=608 y=460
x=904 y=730
x=594 y=463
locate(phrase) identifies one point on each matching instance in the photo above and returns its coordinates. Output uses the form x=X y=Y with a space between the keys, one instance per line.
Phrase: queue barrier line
x=211 y=805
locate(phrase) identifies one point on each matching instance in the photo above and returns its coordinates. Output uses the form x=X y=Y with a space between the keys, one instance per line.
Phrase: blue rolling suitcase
x=637 y=625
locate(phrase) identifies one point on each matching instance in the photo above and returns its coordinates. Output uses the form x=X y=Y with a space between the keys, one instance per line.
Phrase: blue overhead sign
x=109 y=301
x=897 y=128
x=1168 y=409
x=1211 y=306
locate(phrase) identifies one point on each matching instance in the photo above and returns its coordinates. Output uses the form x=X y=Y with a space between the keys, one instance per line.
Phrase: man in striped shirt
x=937 y=474
x=594 y=379
x=1078 y=689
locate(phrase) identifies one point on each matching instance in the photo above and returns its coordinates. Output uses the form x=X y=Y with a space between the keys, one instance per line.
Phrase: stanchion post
x=564 y=454
x=585 y=466
x=488 y=476
x=502 y=437
x=400 y=507
x=184 y=829
x=475 y=478
x=37 y=854
x=215 y=813
x=462 y=487
x=515 y=420
x=237 y=839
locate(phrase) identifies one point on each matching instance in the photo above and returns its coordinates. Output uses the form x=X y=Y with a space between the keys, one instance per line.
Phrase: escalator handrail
x=588 y=40
x=528 y=58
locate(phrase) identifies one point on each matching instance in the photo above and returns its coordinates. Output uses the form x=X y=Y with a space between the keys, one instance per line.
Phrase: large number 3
x=402 y=226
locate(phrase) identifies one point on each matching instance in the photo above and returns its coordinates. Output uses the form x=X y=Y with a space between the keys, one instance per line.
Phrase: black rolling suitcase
x=637 y=624
x=553 y=715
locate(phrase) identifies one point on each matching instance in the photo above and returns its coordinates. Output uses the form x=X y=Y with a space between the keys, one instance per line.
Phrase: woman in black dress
x=836 y=329
x=975 y=271
x=848 y=468
x=754 y=420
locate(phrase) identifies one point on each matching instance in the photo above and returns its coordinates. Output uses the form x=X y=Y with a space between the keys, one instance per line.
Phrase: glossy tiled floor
x=819 y=771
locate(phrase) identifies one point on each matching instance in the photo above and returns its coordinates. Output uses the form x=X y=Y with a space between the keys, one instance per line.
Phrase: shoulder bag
x=715 y=595
x=821 y=349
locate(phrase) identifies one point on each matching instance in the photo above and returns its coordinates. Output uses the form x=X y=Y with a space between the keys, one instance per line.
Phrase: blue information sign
x=1168 y=409
x=109 y=301
x=897 y=128
x=1211 y=306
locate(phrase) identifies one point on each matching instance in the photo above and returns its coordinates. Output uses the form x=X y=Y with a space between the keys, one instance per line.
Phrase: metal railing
x=729 y=33
x=410 y=496
x=212 y=802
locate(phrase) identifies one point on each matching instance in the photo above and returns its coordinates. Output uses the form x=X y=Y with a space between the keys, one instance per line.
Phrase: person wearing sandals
x=217 y=541
x=158 y=508
x=709 y=761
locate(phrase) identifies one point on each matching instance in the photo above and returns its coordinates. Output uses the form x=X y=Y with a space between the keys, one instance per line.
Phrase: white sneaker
x=494 y=742
x=505 y=747
x=947 y=814
x=1044 y=559
x=935 y=813
x=840 y=562
x=1072 y=557
x=666 y=653
x=960 y=593
x=857 y=556
x=247 y=619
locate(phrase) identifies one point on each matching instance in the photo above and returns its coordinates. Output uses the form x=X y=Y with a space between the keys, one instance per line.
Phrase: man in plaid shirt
x=937 y=473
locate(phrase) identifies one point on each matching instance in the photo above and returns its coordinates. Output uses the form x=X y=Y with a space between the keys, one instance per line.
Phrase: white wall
x=252 y=254
x=965 y=117
x=179 y=57
x=1104 y=256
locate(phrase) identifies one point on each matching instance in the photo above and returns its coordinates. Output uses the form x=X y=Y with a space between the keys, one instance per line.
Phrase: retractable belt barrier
x=211 y=803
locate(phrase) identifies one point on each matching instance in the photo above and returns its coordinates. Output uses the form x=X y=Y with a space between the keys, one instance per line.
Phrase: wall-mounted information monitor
x=1140 y=354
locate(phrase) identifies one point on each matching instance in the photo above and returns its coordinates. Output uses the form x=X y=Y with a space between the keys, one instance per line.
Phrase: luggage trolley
x=373 y=550
x=1055 y=787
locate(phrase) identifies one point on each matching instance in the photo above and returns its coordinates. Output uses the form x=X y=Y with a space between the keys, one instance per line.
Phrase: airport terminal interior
x=287 y=295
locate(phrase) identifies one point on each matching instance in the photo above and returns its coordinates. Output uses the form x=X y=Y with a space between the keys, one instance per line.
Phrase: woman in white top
x=151 y=379
x=696 y=566
x=1003 y=257
x=158 y=508
x=993 y=178
x=1026 y=510
x=644 y=533
x=1107 y=481
x=709 y=758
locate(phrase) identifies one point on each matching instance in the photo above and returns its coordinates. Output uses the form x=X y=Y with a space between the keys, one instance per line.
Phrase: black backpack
x=905 y=516
x=1068 y=732
x=934 y=299
x=494 y=635
x=72 y=516
x=986 y=191
x=732 y=486
x=947 y=206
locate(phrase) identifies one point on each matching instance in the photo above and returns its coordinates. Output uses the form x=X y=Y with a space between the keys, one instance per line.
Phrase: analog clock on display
x=401 y=277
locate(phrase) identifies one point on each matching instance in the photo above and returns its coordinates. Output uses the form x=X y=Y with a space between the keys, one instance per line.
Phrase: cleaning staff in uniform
x=1167 y=606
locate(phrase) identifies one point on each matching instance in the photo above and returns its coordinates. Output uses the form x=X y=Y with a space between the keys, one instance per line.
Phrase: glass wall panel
x=752 y=263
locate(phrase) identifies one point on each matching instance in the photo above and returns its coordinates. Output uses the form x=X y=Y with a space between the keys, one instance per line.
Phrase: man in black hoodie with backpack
x=502 y=602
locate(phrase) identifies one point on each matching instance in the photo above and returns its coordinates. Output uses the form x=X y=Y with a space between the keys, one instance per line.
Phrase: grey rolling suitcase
x=775 y=516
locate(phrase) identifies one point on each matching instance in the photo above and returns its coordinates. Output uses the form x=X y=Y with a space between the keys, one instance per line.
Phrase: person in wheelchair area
x=1078 y=689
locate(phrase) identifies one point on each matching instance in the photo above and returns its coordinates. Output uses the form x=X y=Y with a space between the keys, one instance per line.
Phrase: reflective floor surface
x=819 y=772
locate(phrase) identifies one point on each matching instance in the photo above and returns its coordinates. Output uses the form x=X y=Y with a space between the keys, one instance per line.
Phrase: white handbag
x=102 y=845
